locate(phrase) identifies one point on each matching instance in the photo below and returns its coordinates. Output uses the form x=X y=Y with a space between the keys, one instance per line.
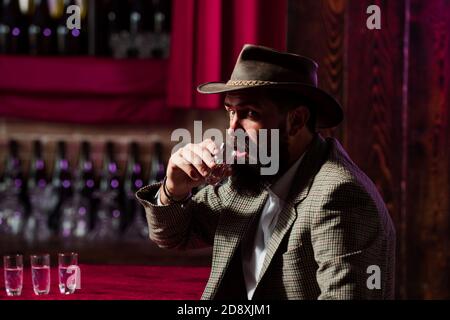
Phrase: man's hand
x=187 y=169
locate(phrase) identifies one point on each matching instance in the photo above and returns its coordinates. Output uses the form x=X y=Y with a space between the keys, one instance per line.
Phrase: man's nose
x=235 y=123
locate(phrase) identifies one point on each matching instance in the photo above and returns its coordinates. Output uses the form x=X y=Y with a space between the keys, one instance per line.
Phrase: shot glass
x=40 y=273
x=222 y=160
x=68 y=272
x=13 y=267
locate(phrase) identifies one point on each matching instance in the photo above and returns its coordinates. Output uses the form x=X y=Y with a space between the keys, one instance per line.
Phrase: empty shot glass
x=13 y=271
x=68 y=272
x=40 y=273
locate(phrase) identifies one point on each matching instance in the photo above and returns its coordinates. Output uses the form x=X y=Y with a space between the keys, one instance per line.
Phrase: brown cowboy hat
x=262 y=67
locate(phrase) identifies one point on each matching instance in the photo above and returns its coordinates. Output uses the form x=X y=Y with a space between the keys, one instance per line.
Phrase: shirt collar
x=280 y=188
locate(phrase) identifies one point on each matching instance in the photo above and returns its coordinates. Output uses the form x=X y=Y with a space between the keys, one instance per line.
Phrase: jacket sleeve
x=188 y=226
x=346 y=236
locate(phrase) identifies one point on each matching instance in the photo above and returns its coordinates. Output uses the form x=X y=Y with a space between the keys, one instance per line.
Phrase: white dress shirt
x=254 y=250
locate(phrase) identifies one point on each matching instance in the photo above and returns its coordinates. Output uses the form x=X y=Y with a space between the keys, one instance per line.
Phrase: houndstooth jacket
x=333 y=229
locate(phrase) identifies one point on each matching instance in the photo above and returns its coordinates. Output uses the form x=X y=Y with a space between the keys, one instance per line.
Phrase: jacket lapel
x=298 y=192
x=234 y=222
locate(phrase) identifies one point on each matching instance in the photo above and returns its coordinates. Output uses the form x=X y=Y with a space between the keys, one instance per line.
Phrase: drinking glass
x=68 y=272
x=222 y=160
x=40 y=273
x=13 y=266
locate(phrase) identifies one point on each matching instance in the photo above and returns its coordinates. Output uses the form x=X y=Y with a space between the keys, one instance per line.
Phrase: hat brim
x=329 y=111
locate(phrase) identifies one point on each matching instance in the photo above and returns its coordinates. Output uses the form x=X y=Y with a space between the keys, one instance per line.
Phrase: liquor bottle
x=109 y=220
x=76 y=210
x=13 y=212
x=1 y=181
x=110 y=179
x=134 y=174
x=136 y=227
x=4 y=31
x=13 y=167
x=61 y=184
x=163 y=8
x=37 y=176
x=118 y=35
x=39 y=197
x=68 y=41
x=42 y=35
x=157 y=167
x=62 y=177
x=86 y=180
x=161 y=29
x=85 y=170
x=84 y=31
x=72 y=42
x=13 y=28
x=140 y=45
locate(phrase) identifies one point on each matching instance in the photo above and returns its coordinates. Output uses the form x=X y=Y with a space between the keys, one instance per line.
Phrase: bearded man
x=316 y=229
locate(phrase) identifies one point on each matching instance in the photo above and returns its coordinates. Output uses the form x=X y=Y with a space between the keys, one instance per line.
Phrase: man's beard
x=246 y=179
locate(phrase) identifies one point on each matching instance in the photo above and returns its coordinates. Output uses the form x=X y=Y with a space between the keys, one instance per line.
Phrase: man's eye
x=252 y=114
x=231 y=113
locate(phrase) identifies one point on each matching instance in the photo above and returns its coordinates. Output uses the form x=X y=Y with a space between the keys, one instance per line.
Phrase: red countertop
x=123 y=282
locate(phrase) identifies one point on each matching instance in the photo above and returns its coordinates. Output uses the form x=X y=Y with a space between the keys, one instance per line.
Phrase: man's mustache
x=259 y=148
x=244 y=150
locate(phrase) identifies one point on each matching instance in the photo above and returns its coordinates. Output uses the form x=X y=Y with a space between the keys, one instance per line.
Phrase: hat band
x=248 y=82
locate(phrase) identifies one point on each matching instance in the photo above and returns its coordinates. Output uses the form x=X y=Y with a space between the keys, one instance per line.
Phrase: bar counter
x=123 y=282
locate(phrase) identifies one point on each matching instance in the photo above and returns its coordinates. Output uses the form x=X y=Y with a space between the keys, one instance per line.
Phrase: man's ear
x=297 y=119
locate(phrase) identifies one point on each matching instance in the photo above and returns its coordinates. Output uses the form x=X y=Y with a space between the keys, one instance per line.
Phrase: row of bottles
x=75 y=203
x=116 y=28
x=32 y=27
x=136 y=29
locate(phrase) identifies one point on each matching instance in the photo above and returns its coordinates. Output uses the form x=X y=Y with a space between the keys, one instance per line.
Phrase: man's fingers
x=204 y=154
x=211 y=146
x=183 y=164
x=195 y=161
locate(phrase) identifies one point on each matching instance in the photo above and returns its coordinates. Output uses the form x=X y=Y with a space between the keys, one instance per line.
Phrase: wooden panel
x=363 y=69
x=428 y=150
x=317 y=30
x=395 y=86
x=373 y=129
